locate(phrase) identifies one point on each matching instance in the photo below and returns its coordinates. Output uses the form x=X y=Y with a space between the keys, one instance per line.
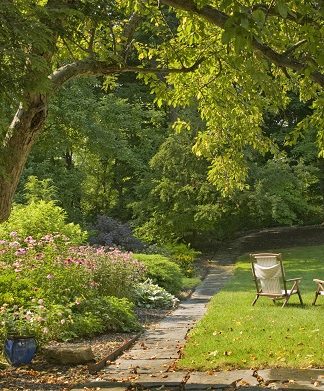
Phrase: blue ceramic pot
x=20 y=350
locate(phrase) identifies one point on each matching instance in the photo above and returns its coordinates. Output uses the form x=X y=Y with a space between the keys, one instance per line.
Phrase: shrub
x=184 y=256
x=111 y=232
x=16 y=291
x=150 y=295
x=38 y=219
x=162 y=271
x=115 y=313
x=116 y=273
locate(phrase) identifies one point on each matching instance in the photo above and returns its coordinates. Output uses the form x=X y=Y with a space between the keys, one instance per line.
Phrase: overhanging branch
x=219 y=18
x=95 y=67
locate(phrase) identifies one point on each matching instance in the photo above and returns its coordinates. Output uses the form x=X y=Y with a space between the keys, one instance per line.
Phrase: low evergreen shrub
x=184 y=256
x=162 y=271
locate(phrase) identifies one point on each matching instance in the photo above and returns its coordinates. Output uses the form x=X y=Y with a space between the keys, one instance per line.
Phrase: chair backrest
x=268 y=271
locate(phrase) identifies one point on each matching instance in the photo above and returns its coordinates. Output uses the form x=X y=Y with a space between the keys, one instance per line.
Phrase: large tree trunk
x=17 y=144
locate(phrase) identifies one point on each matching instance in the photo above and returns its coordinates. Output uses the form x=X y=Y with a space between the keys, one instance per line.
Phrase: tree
x=95 y=147
x=234 y=58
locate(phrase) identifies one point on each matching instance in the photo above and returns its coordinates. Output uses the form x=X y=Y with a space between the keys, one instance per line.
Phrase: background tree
x=245 y=57
x=95 y=148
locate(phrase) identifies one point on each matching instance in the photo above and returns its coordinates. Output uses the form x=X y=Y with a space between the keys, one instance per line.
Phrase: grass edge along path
x=235 y=335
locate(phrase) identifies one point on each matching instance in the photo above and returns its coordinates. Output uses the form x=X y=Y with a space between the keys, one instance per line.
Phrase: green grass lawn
x=233 y=334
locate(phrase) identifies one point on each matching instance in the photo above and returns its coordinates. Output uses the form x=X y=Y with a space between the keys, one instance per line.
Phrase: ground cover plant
x=233 y=334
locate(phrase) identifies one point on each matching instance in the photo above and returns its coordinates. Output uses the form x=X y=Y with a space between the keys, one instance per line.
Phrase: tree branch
x=219 y=18
x=95 y=67
x=294 y=47
x=92 y=38
x=129 y=31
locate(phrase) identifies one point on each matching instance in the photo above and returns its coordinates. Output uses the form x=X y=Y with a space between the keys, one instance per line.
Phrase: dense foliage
x=150 y=295
x=56 y=291
x=162 y=271
x=234 y=61
x=111 y=232
x=39 y=218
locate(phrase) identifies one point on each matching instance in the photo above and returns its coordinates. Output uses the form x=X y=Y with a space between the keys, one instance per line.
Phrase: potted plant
x=20 y=345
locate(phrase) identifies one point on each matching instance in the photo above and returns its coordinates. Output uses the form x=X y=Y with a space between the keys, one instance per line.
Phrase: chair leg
x=286 y=301
x=256 y=299
x=316 y=296
x=300 y=298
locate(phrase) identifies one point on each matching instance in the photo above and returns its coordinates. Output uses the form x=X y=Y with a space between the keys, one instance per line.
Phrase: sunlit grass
x=233 y=334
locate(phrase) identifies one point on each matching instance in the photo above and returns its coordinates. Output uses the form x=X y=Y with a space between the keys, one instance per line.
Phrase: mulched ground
x=41 y=375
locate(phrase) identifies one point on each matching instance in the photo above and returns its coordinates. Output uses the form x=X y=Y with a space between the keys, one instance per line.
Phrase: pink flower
x=48 y=238
x=39 y=319
x=14 y=244
x=49 y=276
x=13 y=234
x=20 y=251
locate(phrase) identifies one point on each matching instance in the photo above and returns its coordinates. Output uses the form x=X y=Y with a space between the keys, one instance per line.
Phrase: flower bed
x=57 y=291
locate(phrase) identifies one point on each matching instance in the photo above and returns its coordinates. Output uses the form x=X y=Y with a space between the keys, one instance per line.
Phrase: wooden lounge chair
x=319 y=290
x=270 y=280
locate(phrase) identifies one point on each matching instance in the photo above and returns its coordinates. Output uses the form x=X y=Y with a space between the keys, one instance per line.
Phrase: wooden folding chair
x=319 y=290
x=270 y=280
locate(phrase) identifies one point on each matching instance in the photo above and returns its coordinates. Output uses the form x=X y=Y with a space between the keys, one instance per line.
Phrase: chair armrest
x=318 y=281
x=294 y=279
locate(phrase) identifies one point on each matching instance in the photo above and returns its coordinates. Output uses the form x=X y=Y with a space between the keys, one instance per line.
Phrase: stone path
x=150 y=363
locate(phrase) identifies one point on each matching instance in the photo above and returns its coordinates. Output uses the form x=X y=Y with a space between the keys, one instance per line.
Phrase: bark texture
x=22 y=134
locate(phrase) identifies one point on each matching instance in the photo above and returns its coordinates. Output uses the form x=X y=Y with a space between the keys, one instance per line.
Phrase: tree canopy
x=235 y=60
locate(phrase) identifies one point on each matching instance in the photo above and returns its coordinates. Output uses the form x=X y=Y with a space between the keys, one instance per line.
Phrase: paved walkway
x=150 y=363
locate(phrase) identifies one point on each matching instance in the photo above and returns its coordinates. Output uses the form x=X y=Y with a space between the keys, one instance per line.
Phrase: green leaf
x=282 y=9
x=245 y=22
x=258 y=16
x=320 y=58
x=226 y=37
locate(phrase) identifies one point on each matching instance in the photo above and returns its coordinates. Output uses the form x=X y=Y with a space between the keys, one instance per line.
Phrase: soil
x=41 y=375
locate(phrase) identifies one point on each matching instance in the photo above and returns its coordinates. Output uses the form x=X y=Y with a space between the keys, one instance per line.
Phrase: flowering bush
x=150 y=295
x=55 y=290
